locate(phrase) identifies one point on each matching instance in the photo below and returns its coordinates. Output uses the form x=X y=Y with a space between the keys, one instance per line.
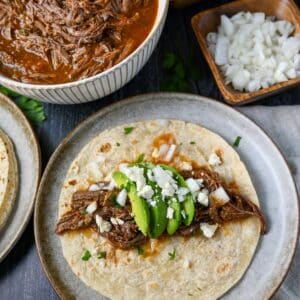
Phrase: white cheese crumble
x=214 y=160
x=151 y=202
x=203 y=197
x=170 y=213
x=181 y=192
x=193 y=185
x=121 y=198
x=208 y=230
x=220 y=195
x=92 y=207
x=165 y=180
x=104 y=226
x=146 y=192
x=135 y=174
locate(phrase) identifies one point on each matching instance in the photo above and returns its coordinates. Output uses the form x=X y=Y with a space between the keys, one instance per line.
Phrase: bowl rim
x=162 y=10
x=236 y=97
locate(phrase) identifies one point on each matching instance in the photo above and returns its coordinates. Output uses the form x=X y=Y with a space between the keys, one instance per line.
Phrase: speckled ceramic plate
x=268 y=169
x=16 y=126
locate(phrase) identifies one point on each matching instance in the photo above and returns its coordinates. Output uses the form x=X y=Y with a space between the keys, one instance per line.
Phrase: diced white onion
x=170 y=152
x=163 y=150
x=255 y=51
x=220 y=195
x=121 y=198
x=92 y=207
x=104 y=226
x=192 y=185
x=214 y=160
x=95 y=187
x=208 y=230
x=203 y=198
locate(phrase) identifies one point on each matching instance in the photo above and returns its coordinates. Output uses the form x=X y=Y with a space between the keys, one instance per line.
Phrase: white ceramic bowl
x=102 y=84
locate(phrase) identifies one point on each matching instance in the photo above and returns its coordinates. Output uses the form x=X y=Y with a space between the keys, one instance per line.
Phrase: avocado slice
x=188 y=204
x=139 y=206
x=158 y=212
x=158 y=218
x=174 y=223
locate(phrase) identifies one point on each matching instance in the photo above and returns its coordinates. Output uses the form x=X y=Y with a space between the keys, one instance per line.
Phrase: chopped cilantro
x=102 y=254
x=140 y=159
x=190 y=294
x=86 y=256
x=172 y=255
x=180 y=73
x=237 y=141
x=199 y=289
x=118 y=144
x=83 y=212
x=192 y=142
x=169 y=60
x=140 y=250
x=128 y=130
x=32 y=108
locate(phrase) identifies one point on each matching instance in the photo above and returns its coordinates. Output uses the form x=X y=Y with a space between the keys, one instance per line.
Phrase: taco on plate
x=159 y=209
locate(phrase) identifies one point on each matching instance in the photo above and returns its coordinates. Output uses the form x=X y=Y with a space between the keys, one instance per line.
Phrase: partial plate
x=16 y=126
x=267 y=167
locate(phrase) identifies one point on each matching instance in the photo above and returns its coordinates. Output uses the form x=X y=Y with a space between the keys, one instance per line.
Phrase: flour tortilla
x=8 y=178
x=203 y=268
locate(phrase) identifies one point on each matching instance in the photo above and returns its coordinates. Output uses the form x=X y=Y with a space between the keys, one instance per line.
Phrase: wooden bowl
x=208 y=21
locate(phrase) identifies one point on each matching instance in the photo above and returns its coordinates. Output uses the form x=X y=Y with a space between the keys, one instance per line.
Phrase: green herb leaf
x=169 y=60
x=118 y=144
x=140 y=250
x=172 y=255
x=128 y=130
x=190 y=294
x=102 y=254
x=140 y=159
x=179 y=70
x=237 y=141
x=33 y=109
x=86 y=256
x=192 y=142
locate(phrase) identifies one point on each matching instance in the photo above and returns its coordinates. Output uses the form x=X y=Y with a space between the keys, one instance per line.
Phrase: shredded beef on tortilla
x=122 y=236
x=127 y=235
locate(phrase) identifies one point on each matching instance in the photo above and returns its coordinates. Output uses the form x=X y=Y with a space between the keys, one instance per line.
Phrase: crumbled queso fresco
x=255 y=51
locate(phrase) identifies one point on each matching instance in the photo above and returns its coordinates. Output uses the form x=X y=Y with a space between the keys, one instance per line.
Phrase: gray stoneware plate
x=16 y=126
x=267 y=167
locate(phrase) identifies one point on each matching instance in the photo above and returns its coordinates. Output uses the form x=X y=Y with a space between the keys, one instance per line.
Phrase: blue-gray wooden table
x=21 y=276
